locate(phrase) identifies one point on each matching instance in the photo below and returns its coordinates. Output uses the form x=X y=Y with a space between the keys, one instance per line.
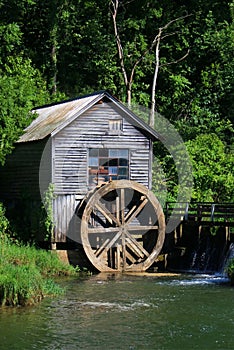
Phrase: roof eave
x=137 y=121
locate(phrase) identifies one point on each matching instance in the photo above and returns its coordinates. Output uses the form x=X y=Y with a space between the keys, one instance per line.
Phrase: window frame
x=115 y=126
x=108 y=167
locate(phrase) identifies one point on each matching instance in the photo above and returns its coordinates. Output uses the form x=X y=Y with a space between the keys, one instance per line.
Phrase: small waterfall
x=228 y=257
x=201 y=252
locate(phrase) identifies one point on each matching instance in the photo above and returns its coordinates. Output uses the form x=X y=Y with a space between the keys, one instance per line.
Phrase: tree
x=21 y=88
x=69 y=44
x=213 y=165
x=141 y=54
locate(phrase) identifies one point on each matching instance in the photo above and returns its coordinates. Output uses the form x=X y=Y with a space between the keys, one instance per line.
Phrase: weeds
x=26 y=272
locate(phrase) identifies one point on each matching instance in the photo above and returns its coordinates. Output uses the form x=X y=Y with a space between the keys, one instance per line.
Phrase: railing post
x=186 y=212
x=212 y=212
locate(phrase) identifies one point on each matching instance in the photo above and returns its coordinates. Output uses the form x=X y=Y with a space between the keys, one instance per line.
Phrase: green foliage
x=230 y=270
x=71 y=44
x=20 y=86
x=49 y=196
x=4 y=223
x=213 y=165
x=25 y=274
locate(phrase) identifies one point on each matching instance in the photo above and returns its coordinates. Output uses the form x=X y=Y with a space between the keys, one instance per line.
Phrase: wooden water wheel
x=122 y=227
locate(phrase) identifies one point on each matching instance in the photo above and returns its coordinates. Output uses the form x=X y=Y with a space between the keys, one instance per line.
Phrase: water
x=126 y=312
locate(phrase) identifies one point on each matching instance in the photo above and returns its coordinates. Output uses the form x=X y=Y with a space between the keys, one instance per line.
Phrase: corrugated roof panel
x=51 y=117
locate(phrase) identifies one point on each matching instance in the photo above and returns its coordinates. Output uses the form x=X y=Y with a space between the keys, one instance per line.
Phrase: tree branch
x=176 y=61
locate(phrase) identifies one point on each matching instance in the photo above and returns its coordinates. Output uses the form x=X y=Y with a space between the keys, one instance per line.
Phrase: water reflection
x=126 y=312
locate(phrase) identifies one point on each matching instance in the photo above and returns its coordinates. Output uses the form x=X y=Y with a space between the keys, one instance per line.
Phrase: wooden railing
x=218 y=214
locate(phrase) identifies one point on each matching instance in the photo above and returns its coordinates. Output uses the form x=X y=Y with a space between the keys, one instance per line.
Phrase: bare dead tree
x=128 y=78
x=156 y=43
x=54 y=45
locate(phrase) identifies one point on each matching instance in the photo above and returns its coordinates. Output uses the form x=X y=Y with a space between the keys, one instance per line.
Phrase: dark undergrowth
x=230 y=270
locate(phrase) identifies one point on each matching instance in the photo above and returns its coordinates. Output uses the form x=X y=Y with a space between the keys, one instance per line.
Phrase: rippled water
x=127 y=312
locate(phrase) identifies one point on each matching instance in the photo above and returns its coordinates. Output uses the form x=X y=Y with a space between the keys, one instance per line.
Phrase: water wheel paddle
x=122 y=227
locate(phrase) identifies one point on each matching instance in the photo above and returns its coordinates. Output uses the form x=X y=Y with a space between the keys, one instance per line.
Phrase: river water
x=126 y=312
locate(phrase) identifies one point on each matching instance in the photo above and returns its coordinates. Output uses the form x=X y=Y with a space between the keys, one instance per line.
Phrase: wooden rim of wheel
x=116 y=235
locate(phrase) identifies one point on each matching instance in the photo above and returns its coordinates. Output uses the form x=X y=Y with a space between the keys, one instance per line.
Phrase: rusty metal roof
x=53 y=118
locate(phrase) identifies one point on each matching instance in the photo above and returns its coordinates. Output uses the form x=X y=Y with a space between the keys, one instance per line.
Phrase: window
x=107 y=164
x=115 y=126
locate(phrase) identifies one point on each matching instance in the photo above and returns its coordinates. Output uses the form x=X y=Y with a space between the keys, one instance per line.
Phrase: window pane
x=123 y=153
x=123 y=171
x=122 y=177
x=113 y=153
x=113 y=162
x=93 y=161
x=104 y=161
x=103 y=152
x=123 y=162
x=93 y=170
x=93 y=152
x=113 y=170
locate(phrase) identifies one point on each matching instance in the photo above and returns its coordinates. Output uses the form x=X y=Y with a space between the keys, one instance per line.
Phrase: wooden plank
x=122 y=204
x=112 y=242
x=118 y=256
x=135 y=249
x=98 y=230
x=108 y=215
x=137 y=244
x=142 y=228
x=137 y=211
x=98 y=251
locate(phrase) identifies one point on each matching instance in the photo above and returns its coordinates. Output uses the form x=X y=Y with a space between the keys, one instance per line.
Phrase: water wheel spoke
x=135 y=244
x=100 y=229
x=130 y=257
x=122 y=204
x=110 y=243
x=137 y=211
x=117 y=208
x=99 y=250
x=142 y=228
x=134 y=248
x=130 y=213
x=118 y=256
x=106 y=212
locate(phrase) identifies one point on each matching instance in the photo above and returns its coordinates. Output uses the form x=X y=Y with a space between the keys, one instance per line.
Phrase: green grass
x=26 y=273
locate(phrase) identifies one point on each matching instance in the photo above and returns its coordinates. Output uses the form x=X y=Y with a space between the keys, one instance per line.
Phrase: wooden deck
x=202 y=214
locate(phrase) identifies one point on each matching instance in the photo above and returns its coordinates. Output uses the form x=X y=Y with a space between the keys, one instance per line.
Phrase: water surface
x=126 y=312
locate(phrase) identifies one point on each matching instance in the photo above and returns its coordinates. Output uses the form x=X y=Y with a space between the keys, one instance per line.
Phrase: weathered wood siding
x=63 y=161
x=19 y=177
x=91 y=130
x=70 y=161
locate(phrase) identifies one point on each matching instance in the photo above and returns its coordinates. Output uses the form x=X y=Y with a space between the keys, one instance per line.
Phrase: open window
x=107 y=164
